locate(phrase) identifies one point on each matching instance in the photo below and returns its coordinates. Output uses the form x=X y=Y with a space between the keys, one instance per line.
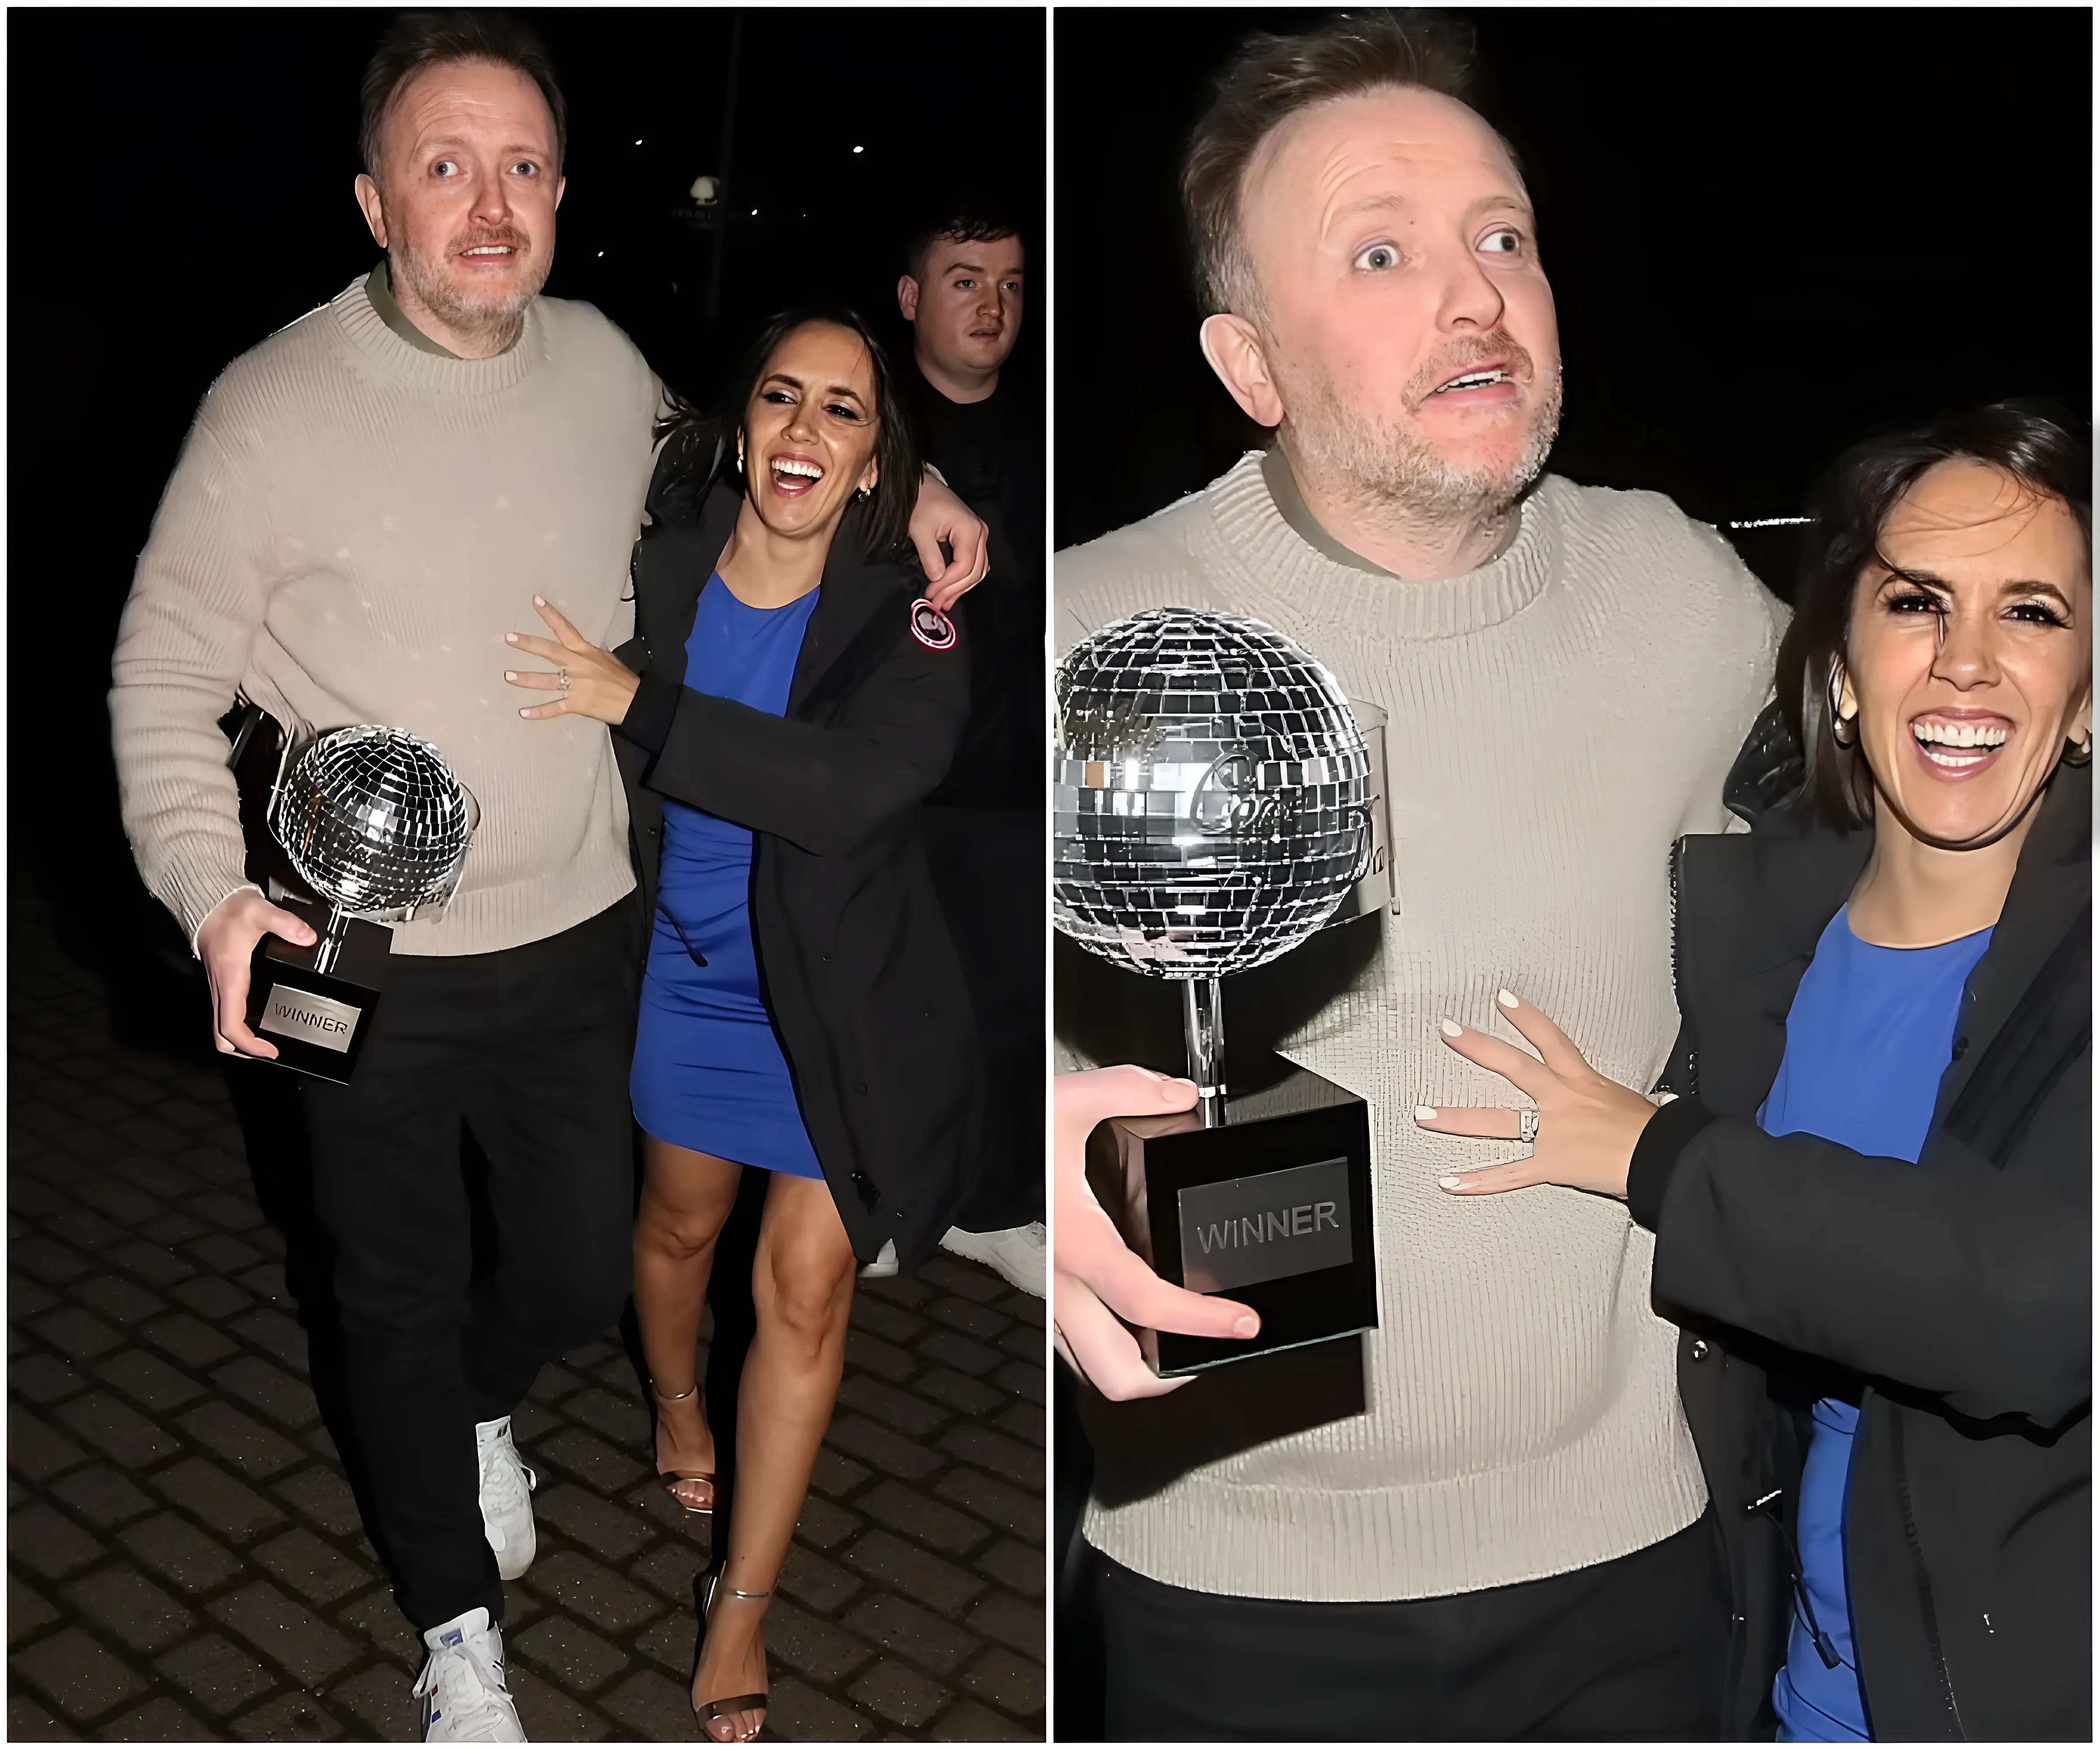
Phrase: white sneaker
x=1019 y=1254
x=885 y=1264
x=464 y=1699
x=507 y=1484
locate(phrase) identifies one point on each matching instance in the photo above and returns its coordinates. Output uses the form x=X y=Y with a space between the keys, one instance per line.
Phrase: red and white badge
x=931 y=627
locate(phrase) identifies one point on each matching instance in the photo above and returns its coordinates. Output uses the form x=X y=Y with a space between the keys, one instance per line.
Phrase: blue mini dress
x=708 y=1071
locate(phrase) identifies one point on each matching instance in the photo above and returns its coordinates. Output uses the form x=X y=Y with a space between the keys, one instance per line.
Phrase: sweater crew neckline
x=368 y=330
x=1296 y=583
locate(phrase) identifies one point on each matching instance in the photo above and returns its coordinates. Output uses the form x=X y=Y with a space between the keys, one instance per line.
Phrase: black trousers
x=1629 y=1649
x=529 y=1049
x=988 y=869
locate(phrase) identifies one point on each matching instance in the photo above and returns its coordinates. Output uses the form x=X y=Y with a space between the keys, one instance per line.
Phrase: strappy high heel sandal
x=721 y=1710
x=673 y=1479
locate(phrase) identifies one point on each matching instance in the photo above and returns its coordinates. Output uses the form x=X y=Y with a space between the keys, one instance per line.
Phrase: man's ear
x=907 y=297
x=561 y=188
x=368 y=199
x=1233 y=347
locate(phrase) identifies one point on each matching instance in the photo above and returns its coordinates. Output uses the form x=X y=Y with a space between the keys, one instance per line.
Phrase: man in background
x=963 y=293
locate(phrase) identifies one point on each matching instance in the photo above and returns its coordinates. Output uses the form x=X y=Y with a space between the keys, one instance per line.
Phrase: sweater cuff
x=1656 y=1155
x=647 y=724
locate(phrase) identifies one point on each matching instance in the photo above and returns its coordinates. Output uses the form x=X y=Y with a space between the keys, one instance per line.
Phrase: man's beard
x=446 y=300
x=1385 y=467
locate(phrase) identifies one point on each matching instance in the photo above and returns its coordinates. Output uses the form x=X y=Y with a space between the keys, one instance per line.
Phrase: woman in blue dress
x=1870 y=1197
x=789 y=699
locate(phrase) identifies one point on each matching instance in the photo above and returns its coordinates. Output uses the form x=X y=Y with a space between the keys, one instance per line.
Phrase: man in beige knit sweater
x=368 y=503
x=1497 y=1531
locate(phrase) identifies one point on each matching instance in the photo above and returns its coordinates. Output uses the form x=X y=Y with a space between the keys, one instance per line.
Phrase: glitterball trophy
x=377 y=826
x=1216 y=803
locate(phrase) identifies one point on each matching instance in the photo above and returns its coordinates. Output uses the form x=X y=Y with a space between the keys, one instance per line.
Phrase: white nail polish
x=1506 y=1000
x=1451 y=1183
x=1425 y=1114
x=1450 y=1029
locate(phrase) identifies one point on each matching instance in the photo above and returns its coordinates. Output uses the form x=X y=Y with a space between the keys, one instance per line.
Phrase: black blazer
x=858 y=972
x=1951 y=1300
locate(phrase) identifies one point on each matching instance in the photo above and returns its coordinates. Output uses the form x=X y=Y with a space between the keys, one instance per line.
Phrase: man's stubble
x=501 y=322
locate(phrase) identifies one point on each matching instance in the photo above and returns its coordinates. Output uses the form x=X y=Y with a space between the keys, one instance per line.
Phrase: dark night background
x=195 y=196
x=1769 y=233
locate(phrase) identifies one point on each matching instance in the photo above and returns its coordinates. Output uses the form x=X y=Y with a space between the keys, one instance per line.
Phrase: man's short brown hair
x=1272 y=79
x=417 y=41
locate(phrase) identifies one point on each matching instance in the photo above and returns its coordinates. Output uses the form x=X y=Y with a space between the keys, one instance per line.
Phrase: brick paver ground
x=185 y=1559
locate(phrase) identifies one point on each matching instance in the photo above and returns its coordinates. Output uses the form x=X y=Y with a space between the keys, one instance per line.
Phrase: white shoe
x=1019 y=1254
x=885 y=1264
x=507 y=1484
x=464 y=1699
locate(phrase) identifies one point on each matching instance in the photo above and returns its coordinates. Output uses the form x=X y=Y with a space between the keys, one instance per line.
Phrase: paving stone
x=897 y=1626
x=576 y=1659
x=999 y=1503
x=822 y=1585
x=1001 y=1616
x=1015 y=1565
x=825 y=1523
x=672 y=1641
x=555 y=1383
x=28 y=1196
x=227 y=1505
x=148 y=1381
x=35 y=1449
x=160 y=1722
x=908 y=1414
x=120 y=1301
x=1025 y=1343
x=222 y=1208
x=1027 y=1309
x=906 y=1568
x=880 y=1447
x=377 y=1621
x=210 y=1297
x=891 y=1323
x=174 y=1228
x=530 y=1423
x=907 y=1510
x=652 y=1503
x=48 y=1260
x=321 y=1496
x=912 y=1290
x=671 y=1569
x=265 y=1281
x=654 y=1708
x=898 y=1693
x=837 y=1476
x=1027 y=1379
x=25 y=1299
x=600 y=1467
x=1008 y=1682
x=602 y=1598
x=30 y=1612
x=43 y=1379
x=28 y=1723
x=191 y=1341
x=972 y=1722
x=289 y=1719
x=47 y=1543
x=878 y=1357
x=104 y=1497
x=382 y=1700
x=122 y=1203
x=621 y=1420
x=318 y=1572
x=128 y=1608
x=74 y=1332
x=180 y=1553
x=812 y=1646
x=1025 y=1422
x=271 y=1331
x=990 y=1450
x=951 y=1349
x=807 y=1716
x=79 y=1678
x=983 y=1324
x=958 y=1392
x=608 y=1531
x=288 y=1402
x=85 y=1227
x=115 y=1429
x=954 y=1276
x=284 y=1630
x=240 y=1439
x=548 y=1716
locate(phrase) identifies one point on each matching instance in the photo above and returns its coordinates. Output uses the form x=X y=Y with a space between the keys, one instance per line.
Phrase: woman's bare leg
x=802 y=1285
x=686 y=1198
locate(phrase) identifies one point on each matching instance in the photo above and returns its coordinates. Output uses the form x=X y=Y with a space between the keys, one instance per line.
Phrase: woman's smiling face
x=810 y=430
x=1970 y=659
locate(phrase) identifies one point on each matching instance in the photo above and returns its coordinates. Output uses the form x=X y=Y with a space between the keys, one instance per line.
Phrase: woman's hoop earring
x=1837 y=719
x=2079 y=753
x=863 y=495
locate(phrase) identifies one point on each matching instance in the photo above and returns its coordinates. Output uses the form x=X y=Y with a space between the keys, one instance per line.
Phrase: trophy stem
x=1203 y=1023
x=329 y=948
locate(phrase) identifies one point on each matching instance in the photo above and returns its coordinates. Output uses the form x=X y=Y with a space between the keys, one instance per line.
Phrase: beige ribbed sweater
x=1556 y=719
x=353 y=526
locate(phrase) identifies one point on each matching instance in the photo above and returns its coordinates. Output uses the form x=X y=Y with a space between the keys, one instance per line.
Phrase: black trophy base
x=1271 y=1208
x=318 y=1022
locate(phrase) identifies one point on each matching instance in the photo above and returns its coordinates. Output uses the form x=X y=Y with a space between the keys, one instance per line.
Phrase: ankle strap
x=733 y=1592
x=675 y=1397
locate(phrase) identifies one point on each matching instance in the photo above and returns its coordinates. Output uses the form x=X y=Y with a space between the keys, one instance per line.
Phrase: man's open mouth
x=1487 y=379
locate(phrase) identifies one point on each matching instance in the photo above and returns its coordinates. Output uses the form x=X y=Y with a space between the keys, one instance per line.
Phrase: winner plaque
x=376 y=826
x=1216 y=802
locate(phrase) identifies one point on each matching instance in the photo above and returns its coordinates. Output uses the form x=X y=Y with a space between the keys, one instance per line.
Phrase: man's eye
x=1502 y=243
x=444 y=167
x=1379 y=257
x=525 y=167
x=965 y=285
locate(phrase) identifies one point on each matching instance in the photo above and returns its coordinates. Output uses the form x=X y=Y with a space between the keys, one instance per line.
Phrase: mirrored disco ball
x=374 y=820
x=1212 y=794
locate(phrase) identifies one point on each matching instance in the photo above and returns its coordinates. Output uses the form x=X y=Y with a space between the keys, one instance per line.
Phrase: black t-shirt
x=991 y=453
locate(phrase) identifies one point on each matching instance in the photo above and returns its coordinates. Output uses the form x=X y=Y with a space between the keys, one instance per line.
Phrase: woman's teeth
x=801 y=470
x=1961 y=735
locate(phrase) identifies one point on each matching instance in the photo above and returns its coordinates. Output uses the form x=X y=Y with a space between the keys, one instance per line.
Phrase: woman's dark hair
x=881 y=523
x=2037 y=443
